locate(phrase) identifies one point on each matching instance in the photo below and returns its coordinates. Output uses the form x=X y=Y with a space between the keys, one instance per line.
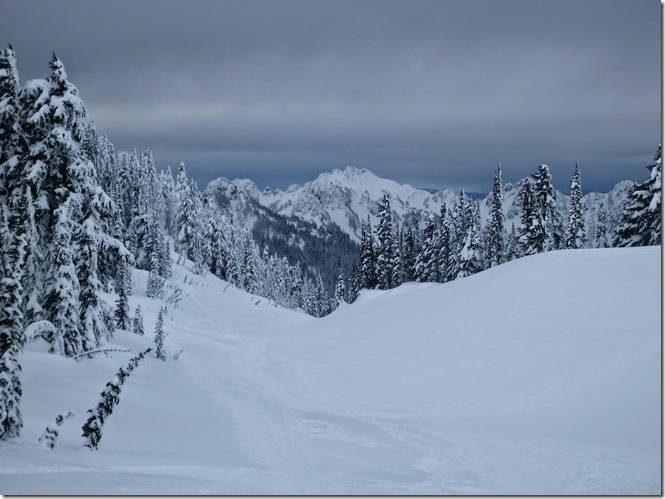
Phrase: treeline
x=456 y=244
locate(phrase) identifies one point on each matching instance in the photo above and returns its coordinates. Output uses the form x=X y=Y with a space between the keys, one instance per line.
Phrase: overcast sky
x=430 y=93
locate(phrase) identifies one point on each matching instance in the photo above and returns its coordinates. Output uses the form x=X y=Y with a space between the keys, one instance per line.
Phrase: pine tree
x=188 y=224
x=386 y=247
x=512 y=245
x=110 y=397
x=94 y=329
x=62 y=290
x=160 y=336
x=367 y=261
x=576 y=236
x=250 y=277
x=426 y=261
x=530 y=232
x=340 y=289
x=322 y=307
x=601 y=229
x=121 y=312
x=470 y=258
x=409 y=255
x=15 y=218
x=640 y=223
x=154 y=285
x=10 y=132
x=356 y=284
x=137 y=322
x=496 y=244
x=548 y=230
x=444 y=246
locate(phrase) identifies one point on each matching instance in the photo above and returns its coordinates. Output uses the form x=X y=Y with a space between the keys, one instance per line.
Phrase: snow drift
x=540 y=376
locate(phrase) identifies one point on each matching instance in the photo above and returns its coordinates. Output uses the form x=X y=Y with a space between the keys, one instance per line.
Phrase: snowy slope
x=540 y=376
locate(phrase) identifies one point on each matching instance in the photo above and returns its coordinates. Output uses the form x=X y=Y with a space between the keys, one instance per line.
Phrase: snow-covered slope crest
x=540 y=376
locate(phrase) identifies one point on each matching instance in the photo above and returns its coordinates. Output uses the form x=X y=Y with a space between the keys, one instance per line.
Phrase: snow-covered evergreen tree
x=426 y=261
x=137 y=322
x=160 y=335
x=530 y=232
x=601 y=229
x=409 y=255
x=576 y=235
x=512 y=245
x=110 y=397
x=186 y=217
x=471 y=256
x=121 y=313
x=62 y=291
x=640 y=223
x=385 y=250
x=93 y=325
x=548 y=227
x=340 y=289
x=496 y=245
x=444 y=246
x=356 y=283
x=154 y=285
x=16 y=212
x=367 y=259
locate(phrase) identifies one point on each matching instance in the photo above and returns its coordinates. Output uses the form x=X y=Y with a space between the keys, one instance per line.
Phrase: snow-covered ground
x=541 y=376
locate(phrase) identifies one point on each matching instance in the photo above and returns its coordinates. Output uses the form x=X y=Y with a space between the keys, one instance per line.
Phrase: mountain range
x=318 y=223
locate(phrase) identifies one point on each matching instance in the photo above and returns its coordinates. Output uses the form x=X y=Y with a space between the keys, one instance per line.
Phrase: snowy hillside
x=540 y=376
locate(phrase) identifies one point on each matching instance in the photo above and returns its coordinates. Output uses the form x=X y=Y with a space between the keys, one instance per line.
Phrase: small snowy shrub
x=51 y=433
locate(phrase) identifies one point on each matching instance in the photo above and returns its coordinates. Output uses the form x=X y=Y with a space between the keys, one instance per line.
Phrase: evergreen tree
x=470 y=258
x=601 y=229
x=340 y=289
x=250 y=275
x=386 y=247
x=530 y=233
x=409 y=255
x=547 y=225
x=160 y=336
x=512 y=245
x=62 y=290
x=576 y=236
x=495 y=248
x=356 y=284
x=444 y=246
x=15 y=219
x=186 y=223
x=121 y=312
x=94 y=329
x=110 y=397
x=137 y=323
x=154 y=285
x=367 y=261
x=426 y=261
x=640 y=223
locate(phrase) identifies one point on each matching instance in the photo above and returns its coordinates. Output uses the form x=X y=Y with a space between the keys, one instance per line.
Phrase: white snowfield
x=540 y=376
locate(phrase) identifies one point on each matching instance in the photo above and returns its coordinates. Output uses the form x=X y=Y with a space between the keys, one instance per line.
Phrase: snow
x=540 y=376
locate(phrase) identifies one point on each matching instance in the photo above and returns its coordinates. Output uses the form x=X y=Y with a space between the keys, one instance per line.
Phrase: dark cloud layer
x=432 y=93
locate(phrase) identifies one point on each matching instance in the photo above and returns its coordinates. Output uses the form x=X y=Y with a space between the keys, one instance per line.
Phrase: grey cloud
x=432 y=93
